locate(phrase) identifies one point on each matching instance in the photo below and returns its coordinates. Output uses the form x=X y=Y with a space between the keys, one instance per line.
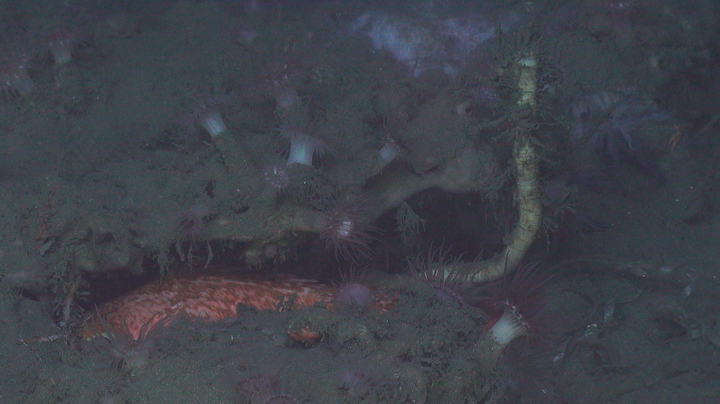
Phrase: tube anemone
x=432 y=270
x=62 y=44
x=277 y=176
x=345 y=227
x=355 y=296
x=303 y=147
x=191 y=223
x=392 y=149
x=513 y=305
x=264 y=389
x=301 y=130
x=129 y=352
x=211 y=120
x=284 y=94
x=355 y=292
x=14 y=78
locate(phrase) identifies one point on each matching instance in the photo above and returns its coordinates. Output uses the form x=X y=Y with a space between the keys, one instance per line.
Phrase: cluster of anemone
x=513 y=304
x=16 y=60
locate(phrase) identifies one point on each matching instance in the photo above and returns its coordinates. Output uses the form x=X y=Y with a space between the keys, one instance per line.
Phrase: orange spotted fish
x=210 y=298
